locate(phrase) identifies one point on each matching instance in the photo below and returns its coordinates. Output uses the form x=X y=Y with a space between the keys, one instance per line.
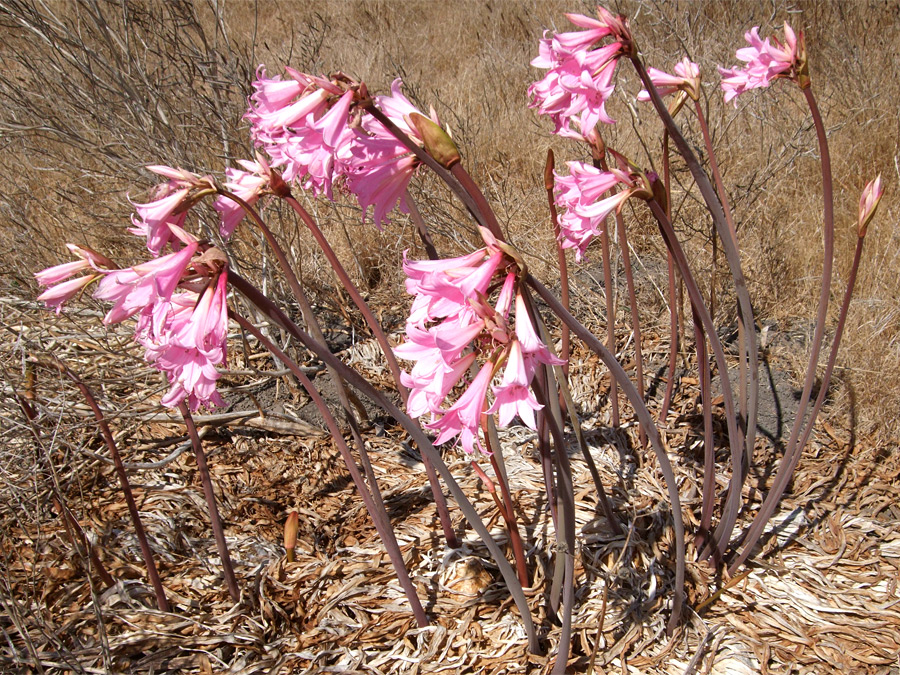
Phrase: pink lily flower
x=64 y=290
x=463 y=418
x=686 y=79
x=378 y=166
x=190 y=345
x=514 y=396
x=531 y=344
x=765 y=61
x=135 y=288
x=577 y=194
x=248 y=184
x=61 y=293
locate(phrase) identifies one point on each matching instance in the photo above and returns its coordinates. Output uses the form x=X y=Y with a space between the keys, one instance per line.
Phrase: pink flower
x=169 y=206
x=463 y=418
x=248 y=185
x=532 y=346
x=686 y=79
x=304 y=135
x=577 y=194
x=765 y=62
x=64 y=290
x=136 y=288
x=514 y=396
x=576 y=86
x=61 y=293
x=378 y=166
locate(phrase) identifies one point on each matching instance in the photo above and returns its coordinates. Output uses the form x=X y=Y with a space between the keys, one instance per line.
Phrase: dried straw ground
x=821 y=597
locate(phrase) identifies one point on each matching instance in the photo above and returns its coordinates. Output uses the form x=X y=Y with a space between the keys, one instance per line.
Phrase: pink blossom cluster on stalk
x=451 y=323
x=582 y=211
x=579 y=77
x=765 y=61
x=317 y=136
x=178 y=298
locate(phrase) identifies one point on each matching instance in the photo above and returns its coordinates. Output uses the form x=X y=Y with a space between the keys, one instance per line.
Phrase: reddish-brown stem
x=709 y=449
x=215 y=519
x=697 y=305
x=421 y=227
x=506 y=506
x=794 y=448
x=732 y=232
x=610 y=322
x=355 y=380
x=481 y=204
x=147 y=553
x=745 y=308
x=673 y=296
x=644 y=417
x=384 y=530
x=381 y=338
x=351 y=289
x=560 y=257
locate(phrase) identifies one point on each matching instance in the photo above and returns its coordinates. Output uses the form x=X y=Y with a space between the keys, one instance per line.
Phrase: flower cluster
x=315 y=132
x=583 y=212
x=765 y=61
x=579 y=77
x=451 y=323
x=179 y=299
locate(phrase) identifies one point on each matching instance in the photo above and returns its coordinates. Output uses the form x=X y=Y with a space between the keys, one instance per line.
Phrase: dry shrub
x=96 y=90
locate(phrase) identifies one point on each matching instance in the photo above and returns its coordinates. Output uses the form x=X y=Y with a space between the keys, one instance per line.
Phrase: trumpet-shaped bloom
x=61 y=293
x=686 y=79
x=63 y=290
x=379 y=167
x=187 y=344
x=514 y=396
x=576 y=86
x=463 y=418
x=135 y=288
x=765 y=61
x=248 y=184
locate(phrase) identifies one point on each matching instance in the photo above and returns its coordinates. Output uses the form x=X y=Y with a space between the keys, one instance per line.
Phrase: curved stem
x=146 y=551
x=794 y=447
x=645 y=418
x=732 y=232
x=745 y=308
x=381 y=338
x=351 y=289
x=214 y=518
x=699 y=308
x=673 y=296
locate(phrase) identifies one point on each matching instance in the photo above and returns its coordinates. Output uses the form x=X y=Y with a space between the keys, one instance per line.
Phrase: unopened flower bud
x=868 y=204
x=437 y=141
